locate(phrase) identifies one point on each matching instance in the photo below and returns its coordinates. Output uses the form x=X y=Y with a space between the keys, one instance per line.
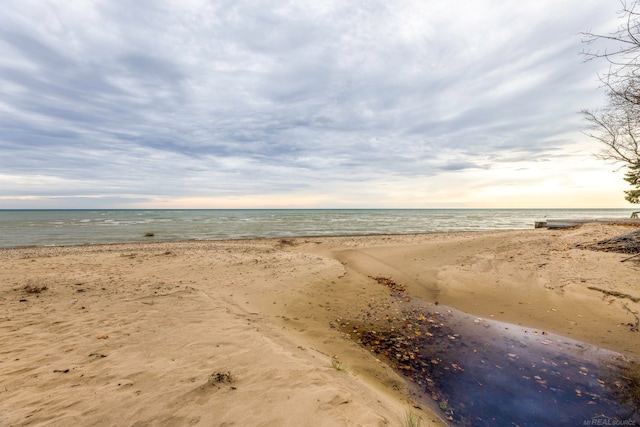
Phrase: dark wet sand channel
x=481 y=372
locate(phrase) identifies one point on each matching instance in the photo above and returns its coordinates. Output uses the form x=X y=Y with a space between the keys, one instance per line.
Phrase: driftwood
x=627 y=244
x=614 y=294
x=634 y=327
x=631 y=257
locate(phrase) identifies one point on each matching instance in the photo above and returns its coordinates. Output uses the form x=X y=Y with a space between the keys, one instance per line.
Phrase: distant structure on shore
x=554 y=224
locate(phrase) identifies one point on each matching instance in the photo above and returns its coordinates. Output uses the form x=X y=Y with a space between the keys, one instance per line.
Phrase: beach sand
x=243 y=333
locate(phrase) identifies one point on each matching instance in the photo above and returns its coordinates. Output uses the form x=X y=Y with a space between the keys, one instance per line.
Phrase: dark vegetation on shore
x=628 y=243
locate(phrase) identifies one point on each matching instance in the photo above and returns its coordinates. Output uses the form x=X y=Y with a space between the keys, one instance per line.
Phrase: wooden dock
x=555 y=224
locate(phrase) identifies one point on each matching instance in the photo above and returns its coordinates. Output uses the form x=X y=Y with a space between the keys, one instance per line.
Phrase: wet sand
x=247 y=332
x=481 y=372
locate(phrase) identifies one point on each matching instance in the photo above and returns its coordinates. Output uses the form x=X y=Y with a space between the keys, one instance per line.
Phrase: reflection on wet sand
x=483 y=372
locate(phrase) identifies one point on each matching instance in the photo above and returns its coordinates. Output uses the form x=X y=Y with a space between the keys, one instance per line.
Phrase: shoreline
x=178 y=312
x=149 y=241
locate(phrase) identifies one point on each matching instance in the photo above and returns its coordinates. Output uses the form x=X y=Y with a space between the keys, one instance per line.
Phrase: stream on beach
x=481 y=372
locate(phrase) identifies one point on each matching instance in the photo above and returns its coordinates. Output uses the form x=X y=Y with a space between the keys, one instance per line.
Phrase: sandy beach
x=244 y=333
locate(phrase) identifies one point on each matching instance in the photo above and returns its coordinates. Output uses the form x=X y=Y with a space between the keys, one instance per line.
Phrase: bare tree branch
x=617 y=126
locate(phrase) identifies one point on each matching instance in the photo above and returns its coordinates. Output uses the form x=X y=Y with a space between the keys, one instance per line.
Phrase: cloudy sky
x=234 y=104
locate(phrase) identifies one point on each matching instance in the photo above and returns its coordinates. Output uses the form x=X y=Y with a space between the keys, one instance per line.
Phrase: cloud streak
x=130 y=102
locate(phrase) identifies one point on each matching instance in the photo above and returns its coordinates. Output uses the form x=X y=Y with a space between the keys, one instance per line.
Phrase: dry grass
x=221 y=377
x=338 y=366
x=412 y=420
x=34 y=289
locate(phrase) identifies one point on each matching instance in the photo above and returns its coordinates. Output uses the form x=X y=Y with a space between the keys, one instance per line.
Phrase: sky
x=301 y=104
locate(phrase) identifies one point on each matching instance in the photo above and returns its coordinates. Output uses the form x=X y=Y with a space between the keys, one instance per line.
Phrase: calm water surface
x=481 y=372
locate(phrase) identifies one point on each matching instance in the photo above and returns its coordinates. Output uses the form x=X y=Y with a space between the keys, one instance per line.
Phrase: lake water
x=68 y=227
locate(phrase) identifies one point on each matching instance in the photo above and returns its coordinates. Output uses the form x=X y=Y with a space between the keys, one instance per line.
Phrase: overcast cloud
x=180 y=103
